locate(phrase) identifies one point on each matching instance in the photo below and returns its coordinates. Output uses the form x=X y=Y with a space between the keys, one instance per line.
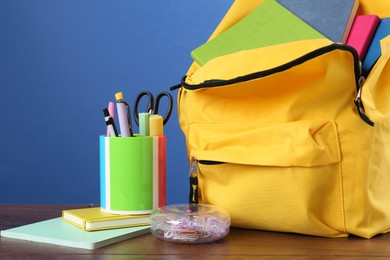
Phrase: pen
x=111 y=110
x=124 y=115
x=110 y=123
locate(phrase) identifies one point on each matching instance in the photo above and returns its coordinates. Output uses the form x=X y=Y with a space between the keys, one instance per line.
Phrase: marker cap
x=106 y=113
x=156 y=125
x=119 y=96
x=143 y=119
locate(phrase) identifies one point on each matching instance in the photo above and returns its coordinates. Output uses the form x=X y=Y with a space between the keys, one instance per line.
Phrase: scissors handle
x=157 y=105
x=149 y=106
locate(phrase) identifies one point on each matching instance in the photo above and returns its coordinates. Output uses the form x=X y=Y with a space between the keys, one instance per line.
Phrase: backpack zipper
x=208 y=162
x=194 y=187
x=193 y=196
x=359 y=103
x=359 y=79
x=309 y=56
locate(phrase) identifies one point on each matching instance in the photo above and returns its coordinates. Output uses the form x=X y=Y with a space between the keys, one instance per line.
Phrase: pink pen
x=111 y=110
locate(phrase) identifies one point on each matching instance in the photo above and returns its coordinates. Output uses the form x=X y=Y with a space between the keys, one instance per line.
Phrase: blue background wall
x=62 y=61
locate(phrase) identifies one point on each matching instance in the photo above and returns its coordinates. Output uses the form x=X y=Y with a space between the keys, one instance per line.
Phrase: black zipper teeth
x=311 y=55
x=208 y=162
x=286 y=66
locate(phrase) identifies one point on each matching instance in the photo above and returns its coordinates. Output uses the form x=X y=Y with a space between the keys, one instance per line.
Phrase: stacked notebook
x=87 y=228
x=268 y=24
x=374 y=50
x=282 y=21
x=332 y=18
x=92 y=219
x=275 y=22
x=362 y=32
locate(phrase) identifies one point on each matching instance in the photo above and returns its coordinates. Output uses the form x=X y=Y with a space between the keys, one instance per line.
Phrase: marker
x=110 y=123
x=124 y=115
x=111 y=110
x=143 y=122
x=156 y=125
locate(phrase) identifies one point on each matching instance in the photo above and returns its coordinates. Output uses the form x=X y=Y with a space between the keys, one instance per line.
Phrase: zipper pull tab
x=359 y=104
x=193 y=181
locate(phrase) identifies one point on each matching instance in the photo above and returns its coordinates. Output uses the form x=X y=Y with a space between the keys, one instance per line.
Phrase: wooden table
x=240 y=243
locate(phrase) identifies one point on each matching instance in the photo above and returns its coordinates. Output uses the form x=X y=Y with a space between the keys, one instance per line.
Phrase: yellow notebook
x=91 y=219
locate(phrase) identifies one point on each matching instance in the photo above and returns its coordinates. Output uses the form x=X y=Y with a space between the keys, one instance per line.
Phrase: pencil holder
x=132 y=174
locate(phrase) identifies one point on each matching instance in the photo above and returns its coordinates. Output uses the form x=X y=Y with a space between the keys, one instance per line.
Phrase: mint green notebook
x=268 y=24
x=58 y=232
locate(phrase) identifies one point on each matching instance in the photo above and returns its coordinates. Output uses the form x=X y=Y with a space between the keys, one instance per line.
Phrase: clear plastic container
x=190 y=223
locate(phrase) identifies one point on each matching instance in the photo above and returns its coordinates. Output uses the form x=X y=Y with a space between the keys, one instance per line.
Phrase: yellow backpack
x=291 y=137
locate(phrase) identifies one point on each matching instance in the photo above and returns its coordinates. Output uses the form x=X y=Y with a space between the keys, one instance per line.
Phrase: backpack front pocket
x=261 y=173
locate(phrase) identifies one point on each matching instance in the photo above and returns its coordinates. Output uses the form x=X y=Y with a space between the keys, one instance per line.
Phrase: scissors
x=153 y=104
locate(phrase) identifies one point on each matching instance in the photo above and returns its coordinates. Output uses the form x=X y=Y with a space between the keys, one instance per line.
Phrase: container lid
x=190 y=223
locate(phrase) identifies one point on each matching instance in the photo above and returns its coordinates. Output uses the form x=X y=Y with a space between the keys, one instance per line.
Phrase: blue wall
x=61 y=61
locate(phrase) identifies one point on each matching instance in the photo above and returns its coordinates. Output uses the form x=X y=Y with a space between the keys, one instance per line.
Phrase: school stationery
x=332 y=18
x=291 y=137
x=153 y=104
x=124 y=115
x=189 y=223
x=143 y=123
x=111 y=111
x=268 y=24
x=362 y=32
x=110 y=123
x=126 y=175
x=58 y=232
x=156 y=125
x=133 y=170
x=91 y=219
x=374 y=50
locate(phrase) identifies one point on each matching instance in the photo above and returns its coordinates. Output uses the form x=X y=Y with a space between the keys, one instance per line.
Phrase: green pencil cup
x=126 y=174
